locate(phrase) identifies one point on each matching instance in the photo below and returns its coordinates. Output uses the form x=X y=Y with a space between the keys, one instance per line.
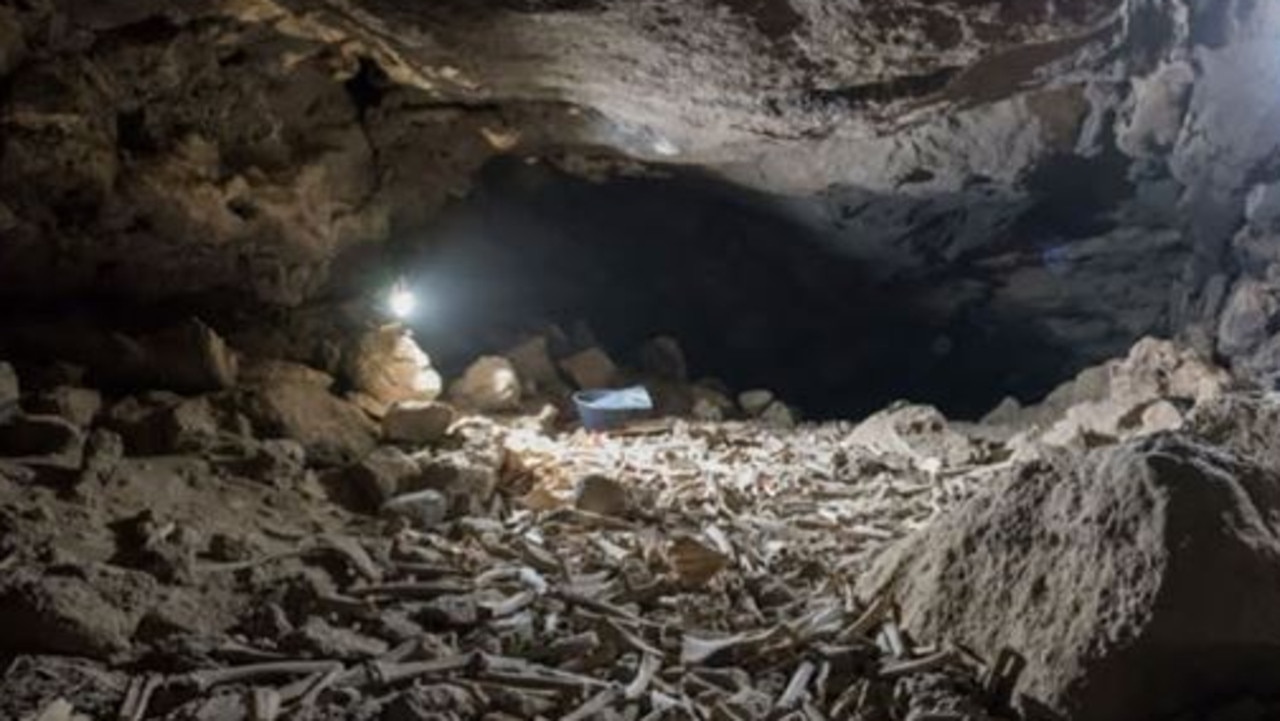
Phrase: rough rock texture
x=724 y=565
x=91 y=611
x=1145 y=392
x=332 y=430
x=1019 y=164
x=1245 y=425
x=1137 y=581
x=160 y=424
x=490 y=384
x=387 y=366
x=919 y=432
x=379 y=477
x=418 y=423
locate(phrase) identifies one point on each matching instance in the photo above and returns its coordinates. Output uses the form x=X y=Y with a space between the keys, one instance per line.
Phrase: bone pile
x=681 y=570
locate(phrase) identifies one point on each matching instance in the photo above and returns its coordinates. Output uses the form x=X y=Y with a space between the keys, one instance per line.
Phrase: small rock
x=278 y=461
x=663 y=357
x=78 y=405
x=1247 y=319
x=418 y=423
x=754 y=402
x=602 y=495
x=532 y=361
x=1159 y=417
x=381 y=476
x=103 y=451
x=490 y=384
x=592 y=368
x=164 y=424
x=711 y=403
x=423 y=510
x=779 y=415
x=707 y=411
x=466 y=482
x=190 y=426
x=670 y=399
x=325 y=640
x=694 y=562
x=388 y=366
x=917 y=432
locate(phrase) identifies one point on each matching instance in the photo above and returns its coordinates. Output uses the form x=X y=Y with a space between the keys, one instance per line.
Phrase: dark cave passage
x=753 y=295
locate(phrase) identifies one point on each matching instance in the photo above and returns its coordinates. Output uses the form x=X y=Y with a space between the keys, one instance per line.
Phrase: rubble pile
x=271 y=550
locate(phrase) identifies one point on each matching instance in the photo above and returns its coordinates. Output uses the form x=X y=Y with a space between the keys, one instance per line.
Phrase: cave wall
x=1093 y=169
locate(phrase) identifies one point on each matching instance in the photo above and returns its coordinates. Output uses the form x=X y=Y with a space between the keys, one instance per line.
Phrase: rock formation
x=229 y=488
x=1094 y=169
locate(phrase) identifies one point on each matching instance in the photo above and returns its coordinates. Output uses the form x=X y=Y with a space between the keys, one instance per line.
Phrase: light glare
x=402 y=302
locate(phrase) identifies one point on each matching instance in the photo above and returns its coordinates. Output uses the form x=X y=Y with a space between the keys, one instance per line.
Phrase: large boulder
x=1137 y=580
x=333 y=431
x=387 y=366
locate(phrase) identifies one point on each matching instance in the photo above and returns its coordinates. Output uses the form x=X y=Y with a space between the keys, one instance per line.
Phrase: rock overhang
x=268 y=149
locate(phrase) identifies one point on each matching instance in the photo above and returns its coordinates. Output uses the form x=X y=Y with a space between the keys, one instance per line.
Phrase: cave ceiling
x=1087 y=164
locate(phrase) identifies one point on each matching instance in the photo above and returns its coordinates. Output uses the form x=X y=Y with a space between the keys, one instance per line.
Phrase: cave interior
x=957 y=324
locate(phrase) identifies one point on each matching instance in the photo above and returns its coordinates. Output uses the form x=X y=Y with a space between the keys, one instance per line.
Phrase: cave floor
x=163 y=557
x=673 y=570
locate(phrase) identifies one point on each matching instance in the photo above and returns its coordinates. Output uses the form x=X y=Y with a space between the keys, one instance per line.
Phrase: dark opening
x=756 y=298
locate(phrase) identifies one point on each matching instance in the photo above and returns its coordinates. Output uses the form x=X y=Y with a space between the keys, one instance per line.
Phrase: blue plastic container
x=603 y=410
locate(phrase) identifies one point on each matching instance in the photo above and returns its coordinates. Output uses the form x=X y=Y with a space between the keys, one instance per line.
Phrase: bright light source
x=402 y=301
